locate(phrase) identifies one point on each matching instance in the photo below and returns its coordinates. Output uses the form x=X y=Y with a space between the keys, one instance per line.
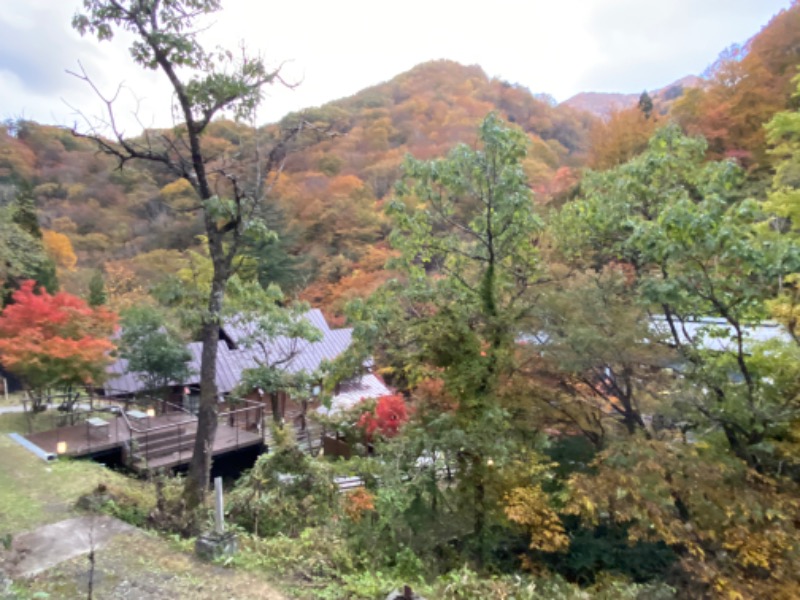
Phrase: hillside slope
x=328 y=203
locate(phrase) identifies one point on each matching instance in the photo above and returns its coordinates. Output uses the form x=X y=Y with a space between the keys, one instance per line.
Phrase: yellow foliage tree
x=179 y=195
x=59 y=248
x=530 y=507
x=735 y=530
x=123 y=288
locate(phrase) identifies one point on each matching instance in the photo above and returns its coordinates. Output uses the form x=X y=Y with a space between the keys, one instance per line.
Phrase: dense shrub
x=285 y=492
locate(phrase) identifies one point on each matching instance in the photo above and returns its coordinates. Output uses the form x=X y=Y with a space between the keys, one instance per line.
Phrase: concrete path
x=38 y=550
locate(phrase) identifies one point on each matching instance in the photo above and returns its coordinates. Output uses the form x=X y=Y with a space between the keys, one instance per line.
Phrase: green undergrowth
x=319 y=565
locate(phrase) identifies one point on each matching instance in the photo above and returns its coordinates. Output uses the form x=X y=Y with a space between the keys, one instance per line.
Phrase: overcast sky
x=336 y=47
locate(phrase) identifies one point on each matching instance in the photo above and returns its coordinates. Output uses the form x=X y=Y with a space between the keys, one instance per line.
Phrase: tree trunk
x=197 y=481
x=479 y=523
x=275 y=404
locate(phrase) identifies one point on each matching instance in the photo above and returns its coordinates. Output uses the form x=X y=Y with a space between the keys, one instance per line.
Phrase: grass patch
x=25 y=424
x=14 y=398
x=34 y=493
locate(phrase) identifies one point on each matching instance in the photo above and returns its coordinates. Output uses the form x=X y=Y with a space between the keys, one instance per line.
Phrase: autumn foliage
x=389 y=416
x=735 y=530
x=55 y=340
x=59 y=248
x=358 y=503
x=748 y=85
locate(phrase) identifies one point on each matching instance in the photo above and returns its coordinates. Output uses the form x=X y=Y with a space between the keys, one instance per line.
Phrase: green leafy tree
x=276 y=332
x=25 y=211
x=694 y=246
x=205 y=83
x=269 y=259
x=783 y=201
x=466 y=233
x=22 y=254
x=285 y=492
x=154 y=352
x=596 y=351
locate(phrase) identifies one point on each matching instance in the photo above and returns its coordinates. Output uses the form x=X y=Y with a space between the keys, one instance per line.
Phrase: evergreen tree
x=25 y=210
x=22 y=253
x=646 y=104
x=97 y=289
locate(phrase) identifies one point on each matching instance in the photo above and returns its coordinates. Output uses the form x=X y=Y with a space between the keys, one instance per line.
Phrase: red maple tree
x=55 y=341
x=390 y=414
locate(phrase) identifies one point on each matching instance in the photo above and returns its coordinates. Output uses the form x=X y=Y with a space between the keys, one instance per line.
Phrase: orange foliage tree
x=358 y=503
x=55 y=341
x=621 y=138
x=748 y=86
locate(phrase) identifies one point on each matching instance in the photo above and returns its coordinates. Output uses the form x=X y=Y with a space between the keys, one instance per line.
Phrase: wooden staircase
x=161 y=448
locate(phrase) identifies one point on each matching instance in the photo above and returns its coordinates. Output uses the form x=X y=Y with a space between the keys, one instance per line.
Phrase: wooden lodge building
x=238 y=351
x=160 y=434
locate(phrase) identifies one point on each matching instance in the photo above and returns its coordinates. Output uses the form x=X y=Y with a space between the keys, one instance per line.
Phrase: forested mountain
x=327 y=205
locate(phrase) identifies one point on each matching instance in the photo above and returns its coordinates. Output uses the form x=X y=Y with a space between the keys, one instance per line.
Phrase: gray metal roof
x=706 y=333
x=291 y=354
x=354 y=391
x=718 y=335
x=120 y=381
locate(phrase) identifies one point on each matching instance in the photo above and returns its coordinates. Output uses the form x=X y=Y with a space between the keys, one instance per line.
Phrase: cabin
x=237 y=351
x=160 y=434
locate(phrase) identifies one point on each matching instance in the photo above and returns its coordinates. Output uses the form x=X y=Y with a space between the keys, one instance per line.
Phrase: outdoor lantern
x=151 y=412
x=61 y=447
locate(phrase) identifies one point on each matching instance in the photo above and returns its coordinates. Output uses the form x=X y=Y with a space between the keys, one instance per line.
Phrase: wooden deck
x=227 y=439
x=160 y=442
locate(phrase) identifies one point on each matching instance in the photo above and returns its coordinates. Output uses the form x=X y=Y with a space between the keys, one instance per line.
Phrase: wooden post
x=219 y=513
x=5 y=388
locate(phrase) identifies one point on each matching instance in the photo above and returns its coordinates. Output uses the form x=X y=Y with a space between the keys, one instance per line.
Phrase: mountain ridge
x=603 y=104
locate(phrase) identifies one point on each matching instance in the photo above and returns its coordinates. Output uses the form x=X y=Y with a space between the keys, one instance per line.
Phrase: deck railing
x=246 y=418
x=91 y=428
